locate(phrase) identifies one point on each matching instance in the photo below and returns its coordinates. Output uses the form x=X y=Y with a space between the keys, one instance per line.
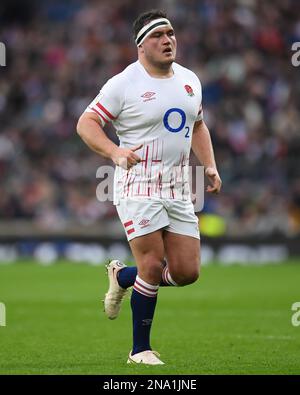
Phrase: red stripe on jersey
x=104 y=119
x=130 y=231
x=105 y=111
x=128 y=223
x=146 y=160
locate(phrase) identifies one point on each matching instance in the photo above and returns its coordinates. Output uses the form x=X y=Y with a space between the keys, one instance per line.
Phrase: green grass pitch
x=234 y=320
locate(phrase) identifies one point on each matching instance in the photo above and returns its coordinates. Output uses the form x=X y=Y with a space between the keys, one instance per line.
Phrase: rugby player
x=155 y=106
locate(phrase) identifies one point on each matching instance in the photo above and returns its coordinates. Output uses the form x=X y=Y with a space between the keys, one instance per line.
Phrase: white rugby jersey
x=160 y=114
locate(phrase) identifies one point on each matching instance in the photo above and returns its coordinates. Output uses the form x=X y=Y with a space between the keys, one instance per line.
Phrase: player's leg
x=148 y=252
x=142 y=221
x=126 y=276
x=182 y=243
x=138 y=218
x=183 y=257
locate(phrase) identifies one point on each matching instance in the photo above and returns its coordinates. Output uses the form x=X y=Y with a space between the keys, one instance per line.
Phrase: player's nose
x=166 y=39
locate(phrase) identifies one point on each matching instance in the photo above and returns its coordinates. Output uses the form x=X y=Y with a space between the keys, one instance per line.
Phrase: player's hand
x=214 y=179
x=125 y=157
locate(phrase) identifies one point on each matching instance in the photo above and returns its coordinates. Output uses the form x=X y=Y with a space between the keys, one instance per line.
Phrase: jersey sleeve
x=109 y=102
x=200 y=110
x=200 y=114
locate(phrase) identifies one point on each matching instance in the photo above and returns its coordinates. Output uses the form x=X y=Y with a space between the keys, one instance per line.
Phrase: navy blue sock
x=126 y=277
x=143 y=302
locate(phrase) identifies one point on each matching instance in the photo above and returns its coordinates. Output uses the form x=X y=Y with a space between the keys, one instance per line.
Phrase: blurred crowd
x=60 y=53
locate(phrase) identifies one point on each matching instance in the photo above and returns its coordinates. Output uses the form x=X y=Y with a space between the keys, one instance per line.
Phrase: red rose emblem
x=189 y=90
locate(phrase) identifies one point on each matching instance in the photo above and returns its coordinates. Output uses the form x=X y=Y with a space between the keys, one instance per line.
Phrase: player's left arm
x=203 y=149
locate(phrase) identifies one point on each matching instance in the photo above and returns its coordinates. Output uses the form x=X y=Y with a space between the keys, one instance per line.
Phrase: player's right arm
x=90 y=129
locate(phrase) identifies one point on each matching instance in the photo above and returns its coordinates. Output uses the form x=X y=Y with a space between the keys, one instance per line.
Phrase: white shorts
x=142 y=216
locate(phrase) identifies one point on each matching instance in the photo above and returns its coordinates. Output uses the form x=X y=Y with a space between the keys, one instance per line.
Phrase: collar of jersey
x=144 y=71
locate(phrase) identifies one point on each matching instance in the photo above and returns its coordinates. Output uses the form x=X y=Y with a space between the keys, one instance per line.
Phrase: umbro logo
x=144 y=222
x=148 y=96
x=147 y=321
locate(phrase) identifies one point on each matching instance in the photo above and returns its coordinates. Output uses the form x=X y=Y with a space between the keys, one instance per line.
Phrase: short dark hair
x=145 y=18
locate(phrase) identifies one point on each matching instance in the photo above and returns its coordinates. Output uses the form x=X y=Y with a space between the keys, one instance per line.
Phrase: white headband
x=147 y=29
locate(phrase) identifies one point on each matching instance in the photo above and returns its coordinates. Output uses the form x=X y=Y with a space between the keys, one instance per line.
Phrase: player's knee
x=150 y=270
x=187 y=278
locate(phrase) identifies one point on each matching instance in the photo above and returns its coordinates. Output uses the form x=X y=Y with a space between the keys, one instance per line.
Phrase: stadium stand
x=60 y=54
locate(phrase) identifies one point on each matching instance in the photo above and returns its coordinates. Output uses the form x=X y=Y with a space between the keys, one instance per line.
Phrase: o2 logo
x=176 y=113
